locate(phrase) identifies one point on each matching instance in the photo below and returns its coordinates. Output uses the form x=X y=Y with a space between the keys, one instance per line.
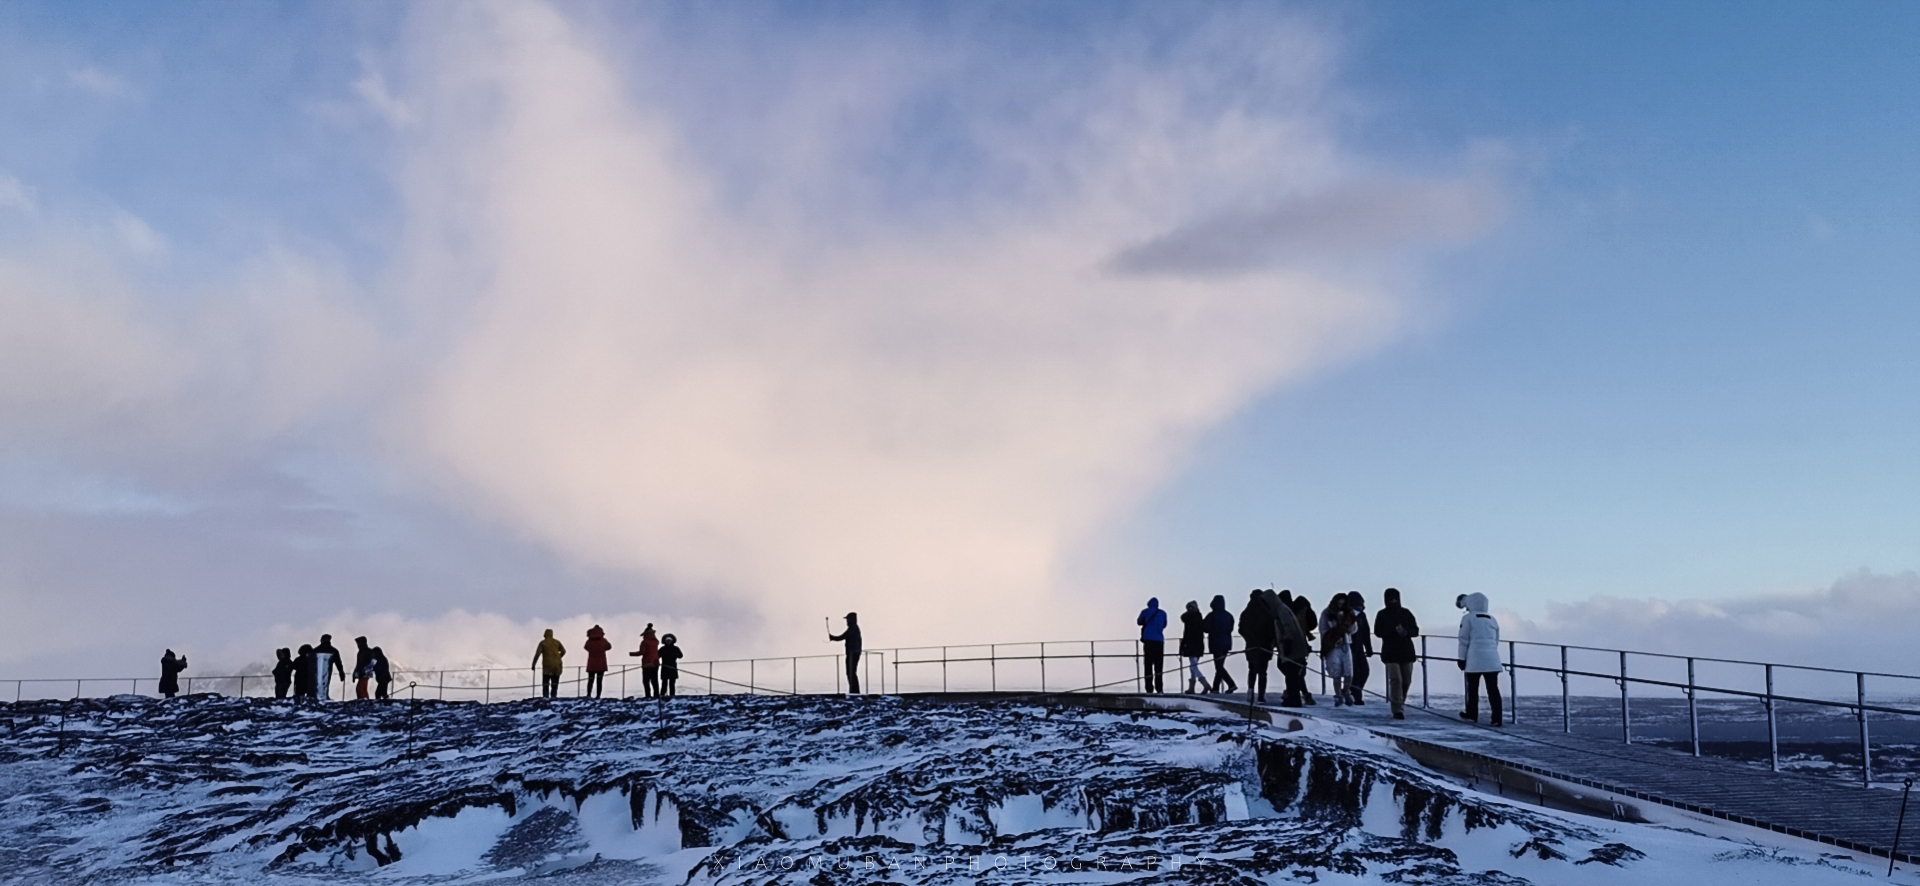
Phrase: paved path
x=1832 y=812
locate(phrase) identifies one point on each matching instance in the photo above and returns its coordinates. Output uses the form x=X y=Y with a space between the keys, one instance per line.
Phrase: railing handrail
x=1738 y=661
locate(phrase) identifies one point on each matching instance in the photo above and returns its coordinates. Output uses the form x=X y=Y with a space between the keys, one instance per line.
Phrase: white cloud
x=372 y=89
x=15 y=195
x=913 y=421
x=136 y=236
x=99 y=82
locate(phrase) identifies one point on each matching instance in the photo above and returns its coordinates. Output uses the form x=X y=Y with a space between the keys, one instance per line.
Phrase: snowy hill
x=739 y=789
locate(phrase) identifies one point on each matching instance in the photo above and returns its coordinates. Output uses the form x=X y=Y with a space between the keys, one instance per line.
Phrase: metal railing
x=1762 y=685
x=1090 y=666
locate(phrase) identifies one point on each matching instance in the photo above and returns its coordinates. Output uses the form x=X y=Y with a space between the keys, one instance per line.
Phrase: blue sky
x=1575 y=302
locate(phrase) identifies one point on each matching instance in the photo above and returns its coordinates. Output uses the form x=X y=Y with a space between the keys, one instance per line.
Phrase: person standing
x=1153 y=644
x=1336 y=657
x=851 y=636
x=382 y=673
x=283 y=672
x=327 y=659
x=1291 y=648
x=597 y=647
x=1480 y=658
x=1309 y=621
x=546 y=657
x=1193 y=645
x=306 y=674
x=1395 y=627
x=1257 y=628
x=1360 y=643
x=170 y=668
x=649 y=653
x=670 y=665
x=362 y=667
x=1219 y=625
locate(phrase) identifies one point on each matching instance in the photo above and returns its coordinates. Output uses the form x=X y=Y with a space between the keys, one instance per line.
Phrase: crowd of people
x=1286 y=630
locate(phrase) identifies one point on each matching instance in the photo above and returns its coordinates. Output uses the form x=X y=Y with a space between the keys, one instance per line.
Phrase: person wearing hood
x=1219 y=625
x=649 y=653
x=1193 y=645
x=362 y=667
x=1395 y=627
x=170 y=668
x=1360 y=643
x=1480 y=658
x=1153 y=644
x=597 y=647
x=306 y=674
x=382 y=674
x=1258 y=628
x=546 y=657
x=851 y=636
x=1336 y=656
x=670 y=665
x=1309 y=622
x=283 y=672
x=1293 y=648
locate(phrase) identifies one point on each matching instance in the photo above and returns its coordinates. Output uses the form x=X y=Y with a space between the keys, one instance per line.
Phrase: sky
x=449 y=322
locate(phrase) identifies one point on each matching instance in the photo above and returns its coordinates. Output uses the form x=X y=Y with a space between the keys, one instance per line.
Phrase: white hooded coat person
x=1480 y=657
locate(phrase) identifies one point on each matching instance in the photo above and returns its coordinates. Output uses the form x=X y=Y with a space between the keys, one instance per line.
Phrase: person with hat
x=851 y=636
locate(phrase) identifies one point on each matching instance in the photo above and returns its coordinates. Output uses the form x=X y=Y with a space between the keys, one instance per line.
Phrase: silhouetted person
x=649 y=653
x=596 y=647
x=1309 y=621
x=546 y=657
x=306 y=673
x=1336 y=656
x=1219 y=625
x=362 y=667
x=1193 y=645
x=283 y=672
x=1395 y=628
x=328 y=659
x=1290 y=649
x=170 y=668
x=670 y=665
x=851 y=636
x=1153 y=644
x=1257 y=628
x=382 y=673
x=1480 y=657
x=1360 y=642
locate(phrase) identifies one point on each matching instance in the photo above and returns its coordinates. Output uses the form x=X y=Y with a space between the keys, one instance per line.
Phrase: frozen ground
x=760 y=790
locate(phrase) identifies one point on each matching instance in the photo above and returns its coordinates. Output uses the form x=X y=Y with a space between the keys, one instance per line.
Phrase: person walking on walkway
x=546 y=657
x=1193 y=645
x=170 y=668
x=1395 y=628
x=382 y=674
x=282 y=672
x=327 y=660
x=670 y=665
x=1153 y=644
x=1257 y=627
x=1219 y=625
x=1291 y=647
x=850 y=636
x=597 y=647
x=306 y=674
x=649 y=653
x=1336 y=656
x=1360 y=643
x=362 y=667
x=1309 y=622
x=1480 y=658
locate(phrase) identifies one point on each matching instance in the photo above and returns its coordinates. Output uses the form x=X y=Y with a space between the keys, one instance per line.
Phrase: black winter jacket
x=1193 y=633
x=1395 y=627
x=1256 y=626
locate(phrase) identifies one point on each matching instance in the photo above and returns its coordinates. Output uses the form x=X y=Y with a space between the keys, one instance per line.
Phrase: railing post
x=836 y=675
x=896 y=671
x=243 y=685
x=795 y=665
x=1866 y=750
x=993 y=666
x=1043 y=666
x=943 y=671
x=1566 y=699
x=441 y=680
x=1425 y=700
x=1773 y=732
x=1138 y=685
x=489 y=692
x=753 y=667
x=1093 y=668
x=1693 y=709
x=1626 y=715
x=1513 y=683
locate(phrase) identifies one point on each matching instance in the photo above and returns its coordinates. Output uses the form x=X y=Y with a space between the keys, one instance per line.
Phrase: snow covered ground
x=764 y=790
